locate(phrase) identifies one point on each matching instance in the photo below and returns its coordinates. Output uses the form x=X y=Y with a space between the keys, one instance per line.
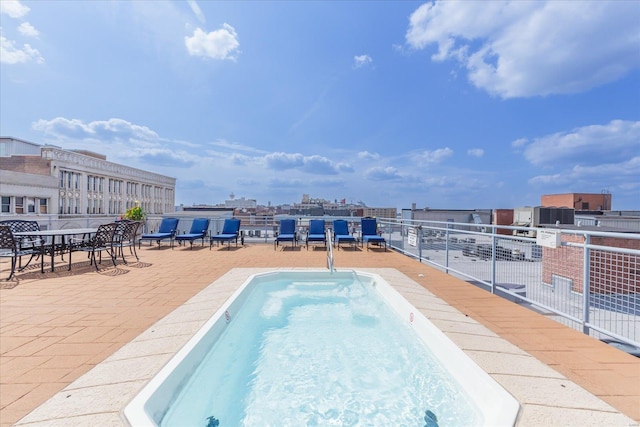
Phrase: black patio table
x=57 y=233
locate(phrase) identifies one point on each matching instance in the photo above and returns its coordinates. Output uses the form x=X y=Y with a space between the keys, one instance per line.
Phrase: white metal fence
x=590 y=282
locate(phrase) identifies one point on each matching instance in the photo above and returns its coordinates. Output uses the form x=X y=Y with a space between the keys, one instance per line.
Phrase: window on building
x=31 y=205
x=44 y=206
x=19 y=205
x=585 y=206
x=6 y=204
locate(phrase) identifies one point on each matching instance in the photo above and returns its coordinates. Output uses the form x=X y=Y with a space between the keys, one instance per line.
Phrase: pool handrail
x=329 y=251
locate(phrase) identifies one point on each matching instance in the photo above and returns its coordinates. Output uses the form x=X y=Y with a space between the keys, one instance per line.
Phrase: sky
x=448 y=105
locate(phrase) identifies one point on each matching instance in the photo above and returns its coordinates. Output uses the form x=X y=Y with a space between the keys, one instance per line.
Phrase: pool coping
x=99 y=396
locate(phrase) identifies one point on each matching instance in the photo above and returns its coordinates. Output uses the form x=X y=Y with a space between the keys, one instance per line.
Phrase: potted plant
x=135 y=214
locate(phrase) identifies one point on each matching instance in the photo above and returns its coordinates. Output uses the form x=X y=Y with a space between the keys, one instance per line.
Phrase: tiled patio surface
x=57 y=326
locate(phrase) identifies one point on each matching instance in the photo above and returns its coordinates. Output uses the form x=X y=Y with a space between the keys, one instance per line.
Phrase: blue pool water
x=307 y=352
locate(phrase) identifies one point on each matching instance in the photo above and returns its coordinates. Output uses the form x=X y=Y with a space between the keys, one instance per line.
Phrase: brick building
x=579 y=201
x=610 y=272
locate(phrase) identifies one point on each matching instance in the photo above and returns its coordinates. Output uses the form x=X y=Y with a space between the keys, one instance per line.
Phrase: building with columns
x=44 y=179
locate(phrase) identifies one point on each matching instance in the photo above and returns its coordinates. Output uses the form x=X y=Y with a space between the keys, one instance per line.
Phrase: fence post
x=446 y=250
x=494 y=245
x=586 y=291
x=419 y=234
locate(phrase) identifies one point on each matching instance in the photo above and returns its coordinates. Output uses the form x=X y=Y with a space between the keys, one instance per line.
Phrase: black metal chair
x=102 y=241
x=125 y=236
x=31 y=245
x=10 y=247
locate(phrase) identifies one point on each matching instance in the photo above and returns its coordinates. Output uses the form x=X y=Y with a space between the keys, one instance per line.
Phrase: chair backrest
x=369 y=227
x=126 y=230
x=199 y=226
x=287 y=226
x=316 y=226
x=104 y=235
x=168 y=225
x=340 y=227
x=20 y=225
x=231 y=226
x=7 y=240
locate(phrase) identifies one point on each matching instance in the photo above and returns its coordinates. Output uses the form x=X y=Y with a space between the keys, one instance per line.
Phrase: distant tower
x=232 y=196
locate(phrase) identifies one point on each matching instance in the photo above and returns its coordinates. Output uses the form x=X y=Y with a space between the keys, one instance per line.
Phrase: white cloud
x=218 y=44
x=101 y=129
x=28 y=30
x=520 y=142
x=532 y=48
x=368 y=156
x=388 y=173
x=13 y=8
x=619 y=174
x=615 y=141
x=10 y=54
x=314 y=164
x=361 y=60
x=476 y=152
x=10 y=51
x=196 y=10
x=435 y=156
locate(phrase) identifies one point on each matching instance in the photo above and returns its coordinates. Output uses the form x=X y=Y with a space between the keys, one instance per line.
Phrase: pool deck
x=76 y=346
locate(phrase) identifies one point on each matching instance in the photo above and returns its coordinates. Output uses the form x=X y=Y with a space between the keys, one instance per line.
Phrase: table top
x=64 y=232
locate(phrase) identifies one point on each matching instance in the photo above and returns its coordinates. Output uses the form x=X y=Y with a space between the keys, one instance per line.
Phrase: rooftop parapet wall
x=26 y=164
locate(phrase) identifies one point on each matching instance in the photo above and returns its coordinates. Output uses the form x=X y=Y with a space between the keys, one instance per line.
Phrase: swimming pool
x=348 y=344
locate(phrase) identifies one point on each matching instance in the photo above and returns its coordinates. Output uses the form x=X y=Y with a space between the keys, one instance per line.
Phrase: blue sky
x=449 y=104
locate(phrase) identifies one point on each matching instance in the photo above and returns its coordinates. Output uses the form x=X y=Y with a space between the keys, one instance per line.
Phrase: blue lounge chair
x=341 y=233
x=167 y=230
x=316 y=232
x=199 y=229
x=287 y=232
x=370 y=233
x=230 y=231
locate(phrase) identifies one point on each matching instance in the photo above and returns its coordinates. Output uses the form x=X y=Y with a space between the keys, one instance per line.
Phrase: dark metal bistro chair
x=33 y=244
x=102 y=241
x=10 y=247
x=125 y=236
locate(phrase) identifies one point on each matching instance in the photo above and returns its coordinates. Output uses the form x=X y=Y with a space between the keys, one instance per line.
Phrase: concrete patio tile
x=78 y=402
x=482 y=343
x=34 y=346
x=73 y=349
x=21 y=406
x=150 y=347
x=170 y=330
x=529 y=389
x=462 y=327
x=513 y=364
x=535 y=416
x=111 y=419
x=121 y=371
x=12 y=392
x=17 y=366
x=10 y=343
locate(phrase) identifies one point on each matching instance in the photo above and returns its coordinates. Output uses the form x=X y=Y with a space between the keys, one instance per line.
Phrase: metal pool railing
x=590 y=282
x=329 y=251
